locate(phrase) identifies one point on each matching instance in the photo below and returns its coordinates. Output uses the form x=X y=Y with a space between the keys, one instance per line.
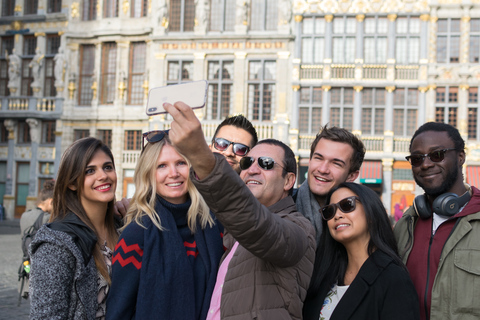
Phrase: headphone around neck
x=445 y=205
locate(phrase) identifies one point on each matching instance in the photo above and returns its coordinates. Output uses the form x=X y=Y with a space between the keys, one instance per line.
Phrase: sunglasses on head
x=345 y=205
x=416 y=160
x=239 y=149
x=154 y=136
x=266 y=163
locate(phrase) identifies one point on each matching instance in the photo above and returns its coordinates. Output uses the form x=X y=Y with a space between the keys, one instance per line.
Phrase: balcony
x=311 y=72
x=406 y=72
x=343 y=72
x=401 y=145
x=375 y=72
x=23 y=106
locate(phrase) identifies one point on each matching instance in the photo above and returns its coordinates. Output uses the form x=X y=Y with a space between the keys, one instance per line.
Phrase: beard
x=445 y=187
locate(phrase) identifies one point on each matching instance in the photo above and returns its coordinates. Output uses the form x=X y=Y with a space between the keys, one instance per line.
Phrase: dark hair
x=289 y=161
x=47 y=191
x=342 y=135
x=441 y=127
x=71 y=172
x=331 y=257
x=240 y=122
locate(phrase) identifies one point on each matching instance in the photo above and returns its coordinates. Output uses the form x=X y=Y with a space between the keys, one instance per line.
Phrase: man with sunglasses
x=233 y=138
x=268 y=264
x=439 y=236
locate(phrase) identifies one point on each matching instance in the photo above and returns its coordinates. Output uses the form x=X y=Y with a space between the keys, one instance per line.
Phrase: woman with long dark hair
x=71 y=256
x=165 y=263
x=358 y=273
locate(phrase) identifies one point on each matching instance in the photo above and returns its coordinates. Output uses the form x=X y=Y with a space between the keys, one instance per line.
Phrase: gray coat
x=62 y=286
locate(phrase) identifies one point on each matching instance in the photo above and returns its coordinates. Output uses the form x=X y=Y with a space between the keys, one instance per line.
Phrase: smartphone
x=193 y=94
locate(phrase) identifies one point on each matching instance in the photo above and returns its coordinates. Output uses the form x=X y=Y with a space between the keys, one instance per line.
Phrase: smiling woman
x=71 y=256
x=360 y=275
x=165 y=263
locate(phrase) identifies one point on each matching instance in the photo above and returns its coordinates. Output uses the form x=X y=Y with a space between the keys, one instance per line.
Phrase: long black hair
x=331 y=257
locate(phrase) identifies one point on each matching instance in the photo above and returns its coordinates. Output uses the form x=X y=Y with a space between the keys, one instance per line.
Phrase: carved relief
x=361 y=6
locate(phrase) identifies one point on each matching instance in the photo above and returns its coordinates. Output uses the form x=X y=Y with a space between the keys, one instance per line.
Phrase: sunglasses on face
x=345 y=205
x=153 y=136
x=416 y=160
x=239 y=149
x=266 y=163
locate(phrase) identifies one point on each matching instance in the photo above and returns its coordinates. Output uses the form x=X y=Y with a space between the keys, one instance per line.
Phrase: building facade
x=71 y=69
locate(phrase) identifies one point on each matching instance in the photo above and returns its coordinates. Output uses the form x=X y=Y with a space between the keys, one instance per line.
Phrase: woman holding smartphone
x=71 y=256
x=166 y=261
x=358 y=273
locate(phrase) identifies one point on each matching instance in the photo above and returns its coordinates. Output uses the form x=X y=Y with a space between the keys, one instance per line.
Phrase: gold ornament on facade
x=392 y=17
x=464 y=87
x=74 y=10
x=39 y=34
x=145 y=88
x=71 y=89
x=432 y=87
x=298 y=18
x=422 y=89
x=18 y=8
x=94 y=90
x=390 y=89
x=296 y=88
x=329 y=17
x=125 y=6
x=360 y=17
x=358 y=88
x=164 y=23
x=424 y=17
x=121 y=89
x=466 y=19
x=326 y=88
x=359 y=6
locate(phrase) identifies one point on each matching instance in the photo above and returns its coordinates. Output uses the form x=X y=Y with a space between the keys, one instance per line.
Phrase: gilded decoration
x=360 y=6
x=74 y=10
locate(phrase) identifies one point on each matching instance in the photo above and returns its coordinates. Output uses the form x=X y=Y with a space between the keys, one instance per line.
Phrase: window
x=21 y=189
x=313 y=41
x=23 y=132
x=3 y=132
x=405 y=111
x=80 y=133
x=87 y=65
x=110 y=8
x=109 y=66
x=53 y=43
x=182 y=15
x=373 y=111
x=261 y=89
x=8 y=8
x=179 y=71
x=341 y=110
x=264 y=15
x=446 y=105
x=48 y=131
x=402 y=174
x=31 y=6
x=140 y=8
x=407 y=42
x=222 y=15
x=29 y=46
x=375 y=40
x=474 y=52
x=133 y=140
x=344 y=30
x=473 y=113
x=220 y=97
x=448 y=40
x=89 y=10
x=136 y=74
x=310 y=110
x=7 y=44
x=54 y=6
x=3 y=179
x=106 y=137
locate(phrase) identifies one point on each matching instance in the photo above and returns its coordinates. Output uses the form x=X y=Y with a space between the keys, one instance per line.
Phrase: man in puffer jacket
x=268 y=264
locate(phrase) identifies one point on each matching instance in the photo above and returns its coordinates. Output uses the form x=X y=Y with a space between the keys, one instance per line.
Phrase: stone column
x=58 y=144
x=328 y=36
x=421 y=105
x=430 y=103
x=357 y=109
x=35 y=134
x=9 y=197
x=198 y=74
x=463 y=110
x=389 y=109
x=298 y=37
x=325 y=105
x=387 y=164
x=359 y=38
x=240 y=86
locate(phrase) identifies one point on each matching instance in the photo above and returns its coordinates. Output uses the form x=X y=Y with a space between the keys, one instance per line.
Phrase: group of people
x=219 y=232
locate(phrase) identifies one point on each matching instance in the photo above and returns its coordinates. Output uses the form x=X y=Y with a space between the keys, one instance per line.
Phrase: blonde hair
x=143 y=201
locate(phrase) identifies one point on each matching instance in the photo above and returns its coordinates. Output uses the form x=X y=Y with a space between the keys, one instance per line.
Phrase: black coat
x=381 y=290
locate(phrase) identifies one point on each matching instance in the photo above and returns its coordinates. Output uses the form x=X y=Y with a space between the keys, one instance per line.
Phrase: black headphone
x=445 y=205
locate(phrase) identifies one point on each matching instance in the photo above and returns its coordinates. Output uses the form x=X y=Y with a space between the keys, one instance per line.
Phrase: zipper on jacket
x=428 y=278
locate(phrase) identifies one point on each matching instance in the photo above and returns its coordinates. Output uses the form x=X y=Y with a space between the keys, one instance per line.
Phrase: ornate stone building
x=70 y=69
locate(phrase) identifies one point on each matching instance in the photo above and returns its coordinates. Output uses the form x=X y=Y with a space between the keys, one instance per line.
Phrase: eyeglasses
x=238 y=148
x=345 y=205
x=266 y=163
x=416 y=160
x=154 y=136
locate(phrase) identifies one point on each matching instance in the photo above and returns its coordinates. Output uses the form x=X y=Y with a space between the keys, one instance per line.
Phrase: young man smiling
x=439 y=237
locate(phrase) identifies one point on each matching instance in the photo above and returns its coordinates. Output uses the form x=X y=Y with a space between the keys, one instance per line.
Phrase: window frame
x=376 y=35
x=448 y=107
x=132 y=87
x=312 y=107
x=343 y=58
x=262 y=13
x=133 y=140
x=85 y=93
x=408 y=128
x=184 y=23
x=108 y=73
x=314 y=57
x=261 y=83
x=89 y=10
x=375 y=113
x=225 y=14
x=449 y=34
x=222 y=85
x=48 y=131
x=342 y=106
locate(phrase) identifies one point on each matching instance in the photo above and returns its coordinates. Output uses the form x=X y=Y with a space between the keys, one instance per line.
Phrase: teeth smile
x=253 y=182
x=341 y=225
x=174 y=184
x=320 y=179
x=103 y=187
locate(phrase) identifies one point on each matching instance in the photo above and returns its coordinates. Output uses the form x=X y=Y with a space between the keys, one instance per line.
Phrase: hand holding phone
x=194 y=94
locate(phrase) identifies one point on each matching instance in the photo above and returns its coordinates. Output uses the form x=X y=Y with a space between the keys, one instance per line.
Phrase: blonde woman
x=166 y=260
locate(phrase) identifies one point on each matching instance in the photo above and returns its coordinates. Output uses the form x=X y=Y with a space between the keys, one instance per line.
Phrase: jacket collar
x=284 y=205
